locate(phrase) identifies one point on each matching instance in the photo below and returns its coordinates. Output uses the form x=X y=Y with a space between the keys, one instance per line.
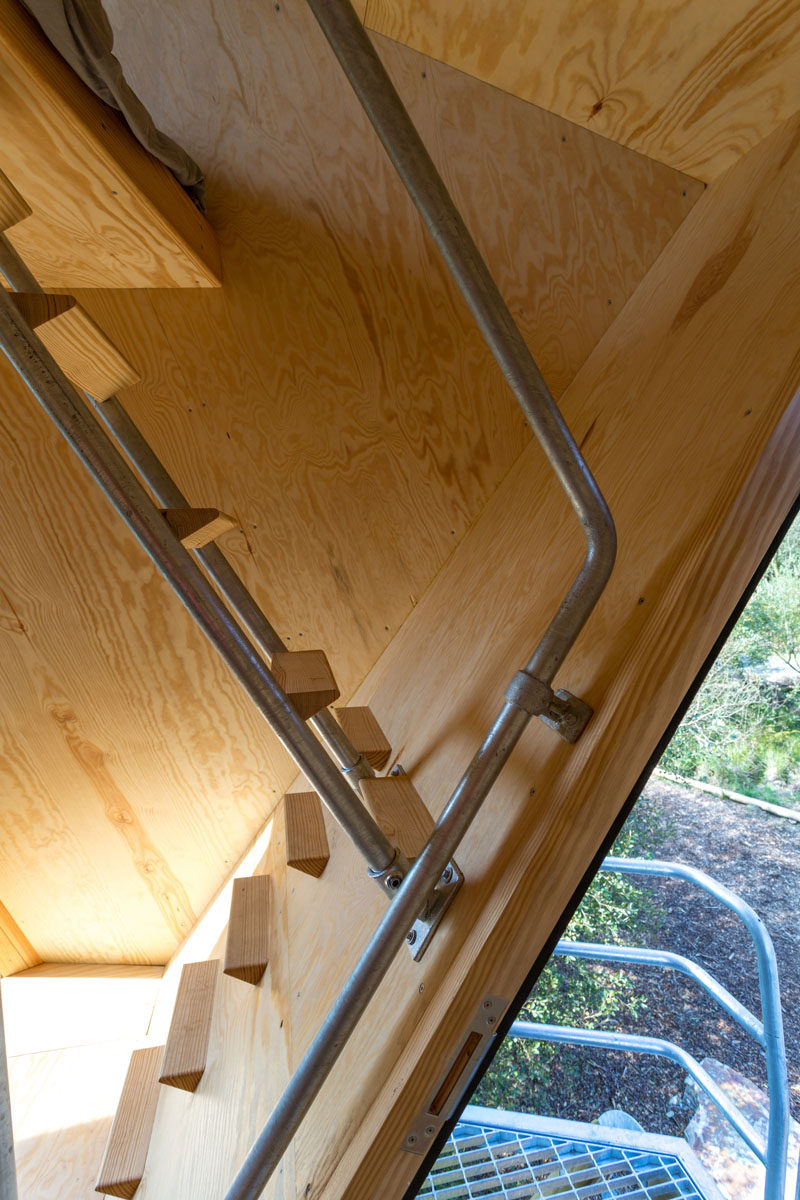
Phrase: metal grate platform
x=481 y=1163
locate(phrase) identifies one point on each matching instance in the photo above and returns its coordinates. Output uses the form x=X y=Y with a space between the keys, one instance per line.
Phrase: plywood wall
x=689 y=411
x=333 y=395
x=693 y=85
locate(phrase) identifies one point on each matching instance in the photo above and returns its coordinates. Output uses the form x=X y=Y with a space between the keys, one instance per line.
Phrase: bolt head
x=393 y=882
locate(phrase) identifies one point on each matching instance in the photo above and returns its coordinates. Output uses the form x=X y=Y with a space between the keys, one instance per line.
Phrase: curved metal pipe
x=772 y=1017
x=605 y=1039
x=378 y=96
x=640 y=956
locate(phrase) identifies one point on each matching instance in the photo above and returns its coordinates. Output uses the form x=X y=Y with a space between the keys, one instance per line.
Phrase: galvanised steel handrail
x=768 y=1032
x=529 y=693
x=640 y=956
x=71 y=414
x=393 y=125
x=348 y=810
x=607 y=1040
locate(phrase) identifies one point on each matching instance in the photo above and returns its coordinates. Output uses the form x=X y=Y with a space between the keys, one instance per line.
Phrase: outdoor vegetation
x=741 y=732
x=743 y=729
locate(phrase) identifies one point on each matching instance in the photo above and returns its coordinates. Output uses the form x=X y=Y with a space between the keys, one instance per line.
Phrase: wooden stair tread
x=365 y=733
x=306 y=839
x=307 y=679
x=126 y=1149
x=400 y=811
x=13 y=208
x=197 y=527
x=247 y=945
x=79 y=346
x=187 y=1040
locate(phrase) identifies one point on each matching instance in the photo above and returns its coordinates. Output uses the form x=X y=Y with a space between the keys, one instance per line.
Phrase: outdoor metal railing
x=768 y=1031
x=529 y=694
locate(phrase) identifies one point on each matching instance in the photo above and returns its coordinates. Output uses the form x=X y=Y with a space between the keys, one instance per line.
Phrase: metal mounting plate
x=568 y=715
x=454 y=1080
x=419 y=935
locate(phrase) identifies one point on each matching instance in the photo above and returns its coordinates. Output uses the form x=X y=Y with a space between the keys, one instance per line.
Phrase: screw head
x=487 y=1004
x=447 y=875
x=411 y=936
x=393 y=882
x=412 y=1139
x=490 y=1020
x=430 y=1130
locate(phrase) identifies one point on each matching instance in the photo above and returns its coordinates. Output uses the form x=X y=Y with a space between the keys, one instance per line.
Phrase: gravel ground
x=755 y=854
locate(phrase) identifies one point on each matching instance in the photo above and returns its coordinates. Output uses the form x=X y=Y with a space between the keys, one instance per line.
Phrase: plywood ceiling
x=692 y=83
x=334 y=395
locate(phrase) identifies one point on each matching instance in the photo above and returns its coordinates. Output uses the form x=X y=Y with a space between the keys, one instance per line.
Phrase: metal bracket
x=568 y=715
x=562 y=711
x=390 y=878
x=455 y=1078
x=426 y=924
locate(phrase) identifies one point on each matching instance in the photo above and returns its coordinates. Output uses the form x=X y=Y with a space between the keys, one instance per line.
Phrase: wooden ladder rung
x=247 y=946
x=187 y=1040
x=79 y=346
x=197 y=527
x=128 y=1142
x=366 y=735
x=306 y=840
x=399 y=810
x=13 y=208
x=307 y=679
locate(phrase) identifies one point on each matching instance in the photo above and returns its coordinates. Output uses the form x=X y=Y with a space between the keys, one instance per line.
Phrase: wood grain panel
x=692 y=85
x=333 y=396
x=680 y=409
x=105 y=213
x=63 y=1105
x=129 y=1140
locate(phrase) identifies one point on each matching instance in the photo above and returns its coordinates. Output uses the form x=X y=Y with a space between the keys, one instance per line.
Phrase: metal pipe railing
x=168 y=495
x=771 y=1015
x=396 y=130
x=376 y=92
x=640 y=956
x=605 y=1039
x=8 y=1172
x=70 y=413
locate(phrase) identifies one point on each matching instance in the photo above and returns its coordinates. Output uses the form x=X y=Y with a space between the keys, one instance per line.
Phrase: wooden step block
x=366 y=735
x=13 y=208
x=197 y=527
x=307 y=679
x=187 y=1040
x=398 y=808
x=128 y=1142
x=247 y=947
x=80 y=347
x=306 y=840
